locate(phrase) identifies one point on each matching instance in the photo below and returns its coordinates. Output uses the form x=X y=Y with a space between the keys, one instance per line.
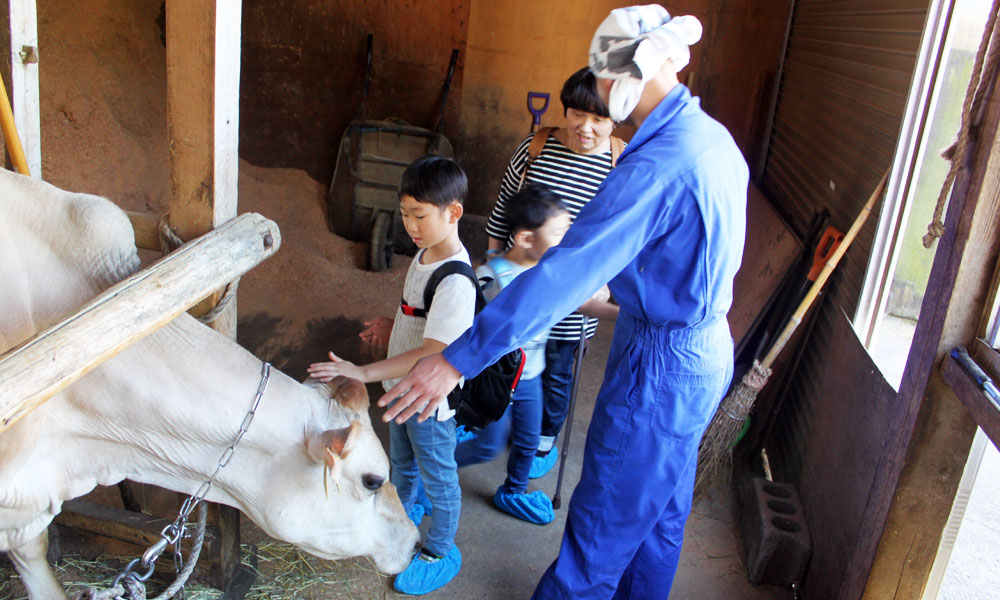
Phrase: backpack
x=484 y=398
x=542 y=136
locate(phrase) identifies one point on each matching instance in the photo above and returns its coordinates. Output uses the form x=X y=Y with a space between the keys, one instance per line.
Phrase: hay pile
x=283 y=573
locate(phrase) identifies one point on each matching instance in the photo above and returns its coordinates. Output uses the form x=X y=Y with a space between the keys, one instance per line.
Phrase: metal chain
x=175 y=532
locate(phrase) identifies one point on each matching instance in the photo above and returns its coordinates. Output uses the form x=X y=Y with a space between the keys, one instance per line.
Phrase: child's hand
x=377 y=332
x=328 y=370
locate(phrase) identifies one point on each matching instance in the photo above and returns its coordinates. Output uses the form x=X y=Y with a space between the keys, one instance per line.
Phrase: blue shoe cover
x=423 y=577
x=540 y=465
x=422 y=499
x=416 y=514
x=534 y=507
x=464 y=435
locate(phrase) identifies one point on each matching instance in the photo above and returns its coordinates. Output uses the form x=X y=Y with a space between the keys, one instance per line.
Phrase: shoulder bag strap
x=502 y=269
x=534 y=149
x=617 y=146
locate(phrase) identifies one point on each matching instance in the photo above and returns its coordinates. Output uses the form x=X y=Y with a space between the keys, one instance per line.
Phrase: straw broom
x=715 y=452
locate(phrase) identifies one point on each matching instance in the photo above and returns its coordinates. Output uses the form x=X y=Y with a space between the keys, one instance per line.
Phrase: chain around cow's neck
x=173 y=534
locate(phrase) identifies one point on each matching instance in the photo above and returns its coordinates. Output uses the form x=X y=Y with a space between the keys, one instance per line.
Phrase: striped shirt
x=574 y=178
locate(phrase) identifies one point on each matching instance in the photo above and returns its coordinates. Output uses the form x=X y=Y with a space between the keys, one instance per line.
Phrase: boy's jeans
x=428 y=449
x=521 y=422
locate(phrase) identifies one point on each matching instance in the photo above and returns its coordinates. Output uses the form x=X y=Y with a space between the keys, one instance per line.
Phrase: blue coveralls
x=666 y=229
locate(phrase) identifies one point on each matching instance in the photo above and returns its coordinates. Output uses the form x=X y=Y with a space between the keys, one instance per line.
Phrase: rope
x=128 y=589
x=192 y=560
x=986 y=61
x=168 y=239
x=131 y=589
x=227 y=296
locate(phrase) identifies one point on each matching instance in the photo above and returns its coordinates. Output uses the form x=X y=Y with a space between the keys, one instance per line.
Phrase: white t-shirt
x=450 y=313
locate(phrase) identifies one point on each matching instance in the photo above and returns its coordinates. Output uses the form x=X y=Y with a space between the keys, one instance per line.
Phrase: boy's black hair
x=580 y=93
x=531 y=207
x=434 y=180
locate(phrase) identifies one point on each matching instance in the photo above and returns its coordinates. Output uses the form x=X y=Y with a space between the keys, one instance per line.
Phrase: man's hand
x=328 y=370
x=423 y=389
x=377 y=331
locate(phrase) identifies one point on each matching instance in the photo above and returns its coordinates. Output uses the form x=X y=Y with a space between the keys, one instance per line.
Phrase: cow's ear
x=333 y=444
x=350 y=393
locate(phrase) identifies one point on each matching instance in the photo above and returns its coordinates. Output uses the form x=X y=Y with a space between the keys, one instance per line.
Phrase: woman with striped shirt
x=573 y=162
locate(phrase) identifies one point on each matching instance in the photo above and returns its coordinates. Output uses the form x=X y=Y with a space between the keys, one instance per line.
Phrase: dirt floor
x=104 y=132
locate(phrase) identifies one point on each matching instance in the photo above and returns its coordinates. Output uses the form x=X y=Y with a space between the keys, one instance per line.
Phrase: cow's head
x=341 y=503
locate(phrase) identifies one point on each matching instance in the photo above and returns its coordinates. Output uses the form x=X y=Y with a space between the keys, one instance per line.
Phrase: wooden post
x=24 y=80
x=203 y=74
x=36 y=370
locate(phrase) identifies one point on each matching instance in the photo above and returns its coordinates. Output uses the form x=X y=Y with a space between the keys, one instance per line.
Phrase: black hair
x=580 y=93
x=531 y=207
x=434 y=180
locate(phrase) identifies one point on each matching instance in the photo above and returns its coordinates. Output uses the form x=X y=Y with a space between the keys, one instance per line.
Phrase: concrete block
x=774 y=531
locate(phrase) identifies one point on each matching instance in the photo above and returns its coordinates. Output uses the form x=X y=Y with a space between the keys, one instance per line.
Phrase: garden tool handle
x=827 y=245
x=444 y=92
x=983 y=381
x=824 y=274
x=10 y=137
x=537 y=112
x=574 y=391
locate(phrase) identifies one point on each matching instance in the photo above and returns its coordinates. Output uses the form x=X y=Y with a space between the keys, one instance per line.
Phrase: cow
x=309 y=470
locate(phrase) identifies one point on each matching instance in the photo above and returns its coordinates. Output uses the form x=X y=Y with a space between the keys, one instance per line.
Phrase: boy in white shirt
x=431 y=194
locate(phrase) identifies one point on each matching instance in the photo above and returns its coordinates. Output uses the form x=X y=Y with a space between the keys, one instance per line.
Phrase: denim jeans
x=557 y=384
x=428 y=449
x=521 y=422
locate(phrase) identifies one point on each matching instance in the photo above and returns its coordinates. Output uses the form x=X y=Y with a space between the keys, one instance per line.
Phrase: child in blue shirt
x=537 y=221
x=431 y=193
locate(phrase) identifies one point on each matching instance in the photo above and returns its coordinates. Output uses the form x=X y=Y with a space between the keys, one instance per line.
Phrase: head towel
x=632 y=44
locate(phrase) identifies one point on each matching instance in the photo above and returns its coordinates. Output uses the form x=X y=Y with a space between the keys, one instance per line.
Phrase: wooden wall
x=303 y=73
x=303 y=69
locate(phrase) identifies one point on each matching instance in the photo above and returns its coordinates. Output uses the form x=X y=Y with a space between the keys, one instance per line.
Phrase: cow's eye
x=372 y=482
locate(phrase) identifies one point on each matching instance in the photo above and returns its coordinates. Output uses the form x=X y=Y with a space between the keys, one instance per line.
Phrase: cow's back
x=57 y=251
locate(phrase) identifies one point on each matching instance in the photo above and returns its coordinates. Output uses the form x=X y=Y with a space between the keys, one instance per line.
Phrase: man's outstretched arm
x=422 y=390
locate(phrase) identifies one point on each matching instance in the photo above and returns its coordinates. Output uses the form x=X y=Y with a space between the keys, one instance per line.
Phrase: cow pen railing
x=37 y=369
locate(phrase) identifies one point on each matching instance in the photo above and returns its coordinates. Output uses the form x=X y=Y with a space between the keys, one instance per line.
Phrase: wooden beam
x=919 y=473
x=34 y=371
x=24 y=81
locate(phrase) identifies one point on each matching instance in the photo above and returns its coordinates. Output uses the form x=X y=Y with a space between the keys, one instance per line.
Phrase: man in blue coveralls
x=666 y=230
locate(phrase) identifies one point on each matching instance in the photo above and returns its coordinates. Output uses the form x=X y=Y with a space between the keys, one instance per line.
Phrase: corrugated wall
x=842 y=95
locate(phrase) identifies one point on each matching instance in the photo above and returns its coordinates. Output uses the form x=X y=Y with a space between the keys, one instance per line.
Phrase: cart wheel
x=380 y=246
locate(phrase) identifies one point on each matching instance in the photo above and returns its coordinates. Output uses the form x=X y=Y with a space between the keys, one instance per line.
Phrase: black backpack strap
x=451 y=267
